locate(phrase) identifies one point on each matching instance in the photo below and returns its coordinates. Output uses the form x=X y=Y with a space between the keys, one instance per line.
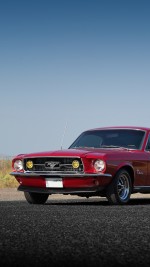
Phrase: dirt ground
x=12 y=194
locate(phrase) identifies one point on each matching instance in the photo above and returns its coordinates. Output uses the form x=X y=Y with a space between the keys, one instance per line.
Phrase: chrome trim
x=141 y=189
x=34 y=157
x=78 y=157
x=142 y=186
x=146 y=144
x=77 y=175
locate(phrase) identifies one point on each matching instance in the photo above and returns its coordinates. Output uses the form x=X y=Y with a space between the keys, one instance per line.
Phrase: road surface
x=74 y=232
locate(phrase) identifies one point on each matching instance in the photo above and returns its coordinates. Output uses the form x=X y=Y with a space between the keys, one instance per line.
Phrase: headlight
x=18 y=165
x=99 y=165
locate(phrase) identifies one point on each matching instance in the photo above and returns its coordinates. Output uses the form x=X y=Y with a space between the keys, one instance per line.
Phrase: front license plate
x=54 y=182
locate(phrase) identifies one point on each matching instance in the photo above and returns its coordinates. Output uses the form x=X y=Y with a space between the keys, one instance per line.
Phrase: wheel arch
x=121 y=187
x=130 y=170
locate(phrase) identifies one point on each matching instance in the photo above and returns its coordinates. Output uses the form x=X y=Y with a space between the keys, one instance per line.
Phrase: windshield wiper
x=103 y=146
x=82 y=147
x=112 y=146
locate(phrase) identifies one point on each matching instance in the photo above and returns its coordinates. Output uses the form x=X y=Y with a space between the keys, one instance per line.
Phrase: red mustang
x=110 y=162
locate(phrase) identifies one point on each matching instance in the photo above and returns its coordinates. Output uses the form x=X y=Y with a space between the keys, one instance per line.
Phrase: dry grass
x=6 y=180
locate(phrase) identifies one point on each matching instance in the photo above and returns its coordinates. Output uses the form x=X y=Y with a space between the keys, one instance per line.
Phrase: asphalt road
x=75 y=232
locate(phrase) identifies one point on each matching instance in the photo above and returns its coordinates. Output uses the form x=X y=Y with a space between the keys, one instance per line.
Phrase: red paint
x=137 y=161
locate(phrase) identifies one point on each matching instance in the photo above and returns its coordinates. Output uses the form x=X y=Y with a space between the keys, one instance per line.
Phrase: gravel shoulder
x=12 y=194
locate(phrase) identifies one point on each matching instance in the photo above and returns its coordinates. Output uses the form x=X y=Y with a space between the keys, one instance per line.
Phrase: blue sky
x=68 y=66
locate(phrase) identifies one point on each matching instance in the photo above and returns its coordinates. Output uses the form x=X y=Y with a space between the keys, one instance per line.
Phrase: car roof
x=122 y=127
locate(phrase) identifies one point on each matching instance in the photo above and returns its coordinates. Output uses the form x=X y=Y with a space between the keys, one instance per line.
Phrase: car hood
x=60 y=153
x=88 y=153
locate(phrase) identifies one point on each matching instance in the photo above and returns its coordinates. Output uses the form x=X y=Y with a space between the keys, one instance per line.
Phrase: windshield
x=116 y=138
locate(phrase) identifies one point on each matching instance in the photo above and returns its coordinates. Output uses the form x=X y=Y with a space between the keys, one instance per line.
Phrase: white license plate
x=54 y=182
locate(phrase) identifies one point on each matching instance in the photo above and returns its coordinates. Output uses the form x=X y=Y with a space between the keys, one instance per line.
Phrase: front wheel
x=119 y=190
x=36 y=198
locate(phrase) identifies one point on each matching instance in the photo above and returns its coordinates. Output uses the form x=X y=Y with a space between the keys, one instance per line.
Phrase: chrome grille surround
x=54 y=165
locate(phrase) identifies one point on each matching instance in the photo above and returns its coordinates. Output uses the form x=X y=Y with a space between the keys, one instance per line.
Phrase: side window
x=148 y=144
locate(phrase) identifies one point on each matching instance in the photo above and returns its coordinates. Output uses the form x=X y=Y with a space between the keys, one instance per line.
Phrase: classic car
x=111 y=162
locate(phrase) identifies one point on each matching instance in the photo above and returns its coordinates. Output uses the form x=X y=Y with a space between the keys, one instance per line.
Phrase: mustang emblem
x=51 y=164
x=139 y=172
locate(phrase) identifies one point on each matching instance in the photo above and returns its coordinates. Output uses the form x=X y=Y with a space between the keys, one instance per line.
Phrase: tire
x=119 y=190
x=36 y=198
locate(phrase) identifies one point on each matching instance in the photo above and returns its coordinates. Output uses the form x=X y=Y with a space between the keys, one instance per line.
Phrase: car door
x=147 y=150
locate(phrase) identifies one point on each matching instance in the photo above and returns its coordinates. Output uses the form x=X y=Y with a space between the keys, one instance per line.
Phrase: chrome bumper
x=78 y=175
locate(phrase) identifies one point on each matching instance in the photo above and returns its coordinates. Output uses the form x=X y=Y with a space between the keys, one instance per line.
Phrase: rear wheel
x=36 y=198
x=119 y=190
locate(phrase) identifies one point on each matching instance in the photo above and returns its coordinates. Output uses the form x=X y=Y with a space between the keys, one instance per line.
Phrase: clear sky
x=71 y=65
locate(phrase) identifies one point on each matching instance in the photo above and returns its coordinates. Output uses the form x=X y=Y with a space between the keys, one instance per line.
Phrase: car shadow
x=83 y=202
x=96 y=202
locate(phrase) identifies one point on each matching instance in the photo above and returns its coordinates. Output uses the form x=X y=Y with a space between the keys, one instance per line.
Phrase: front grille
x=53 y=165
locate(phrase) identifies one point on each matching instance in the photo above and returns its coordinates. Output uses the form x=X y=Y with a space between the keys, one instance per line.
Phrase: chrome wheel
x=123 y=186
x=119 y=191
